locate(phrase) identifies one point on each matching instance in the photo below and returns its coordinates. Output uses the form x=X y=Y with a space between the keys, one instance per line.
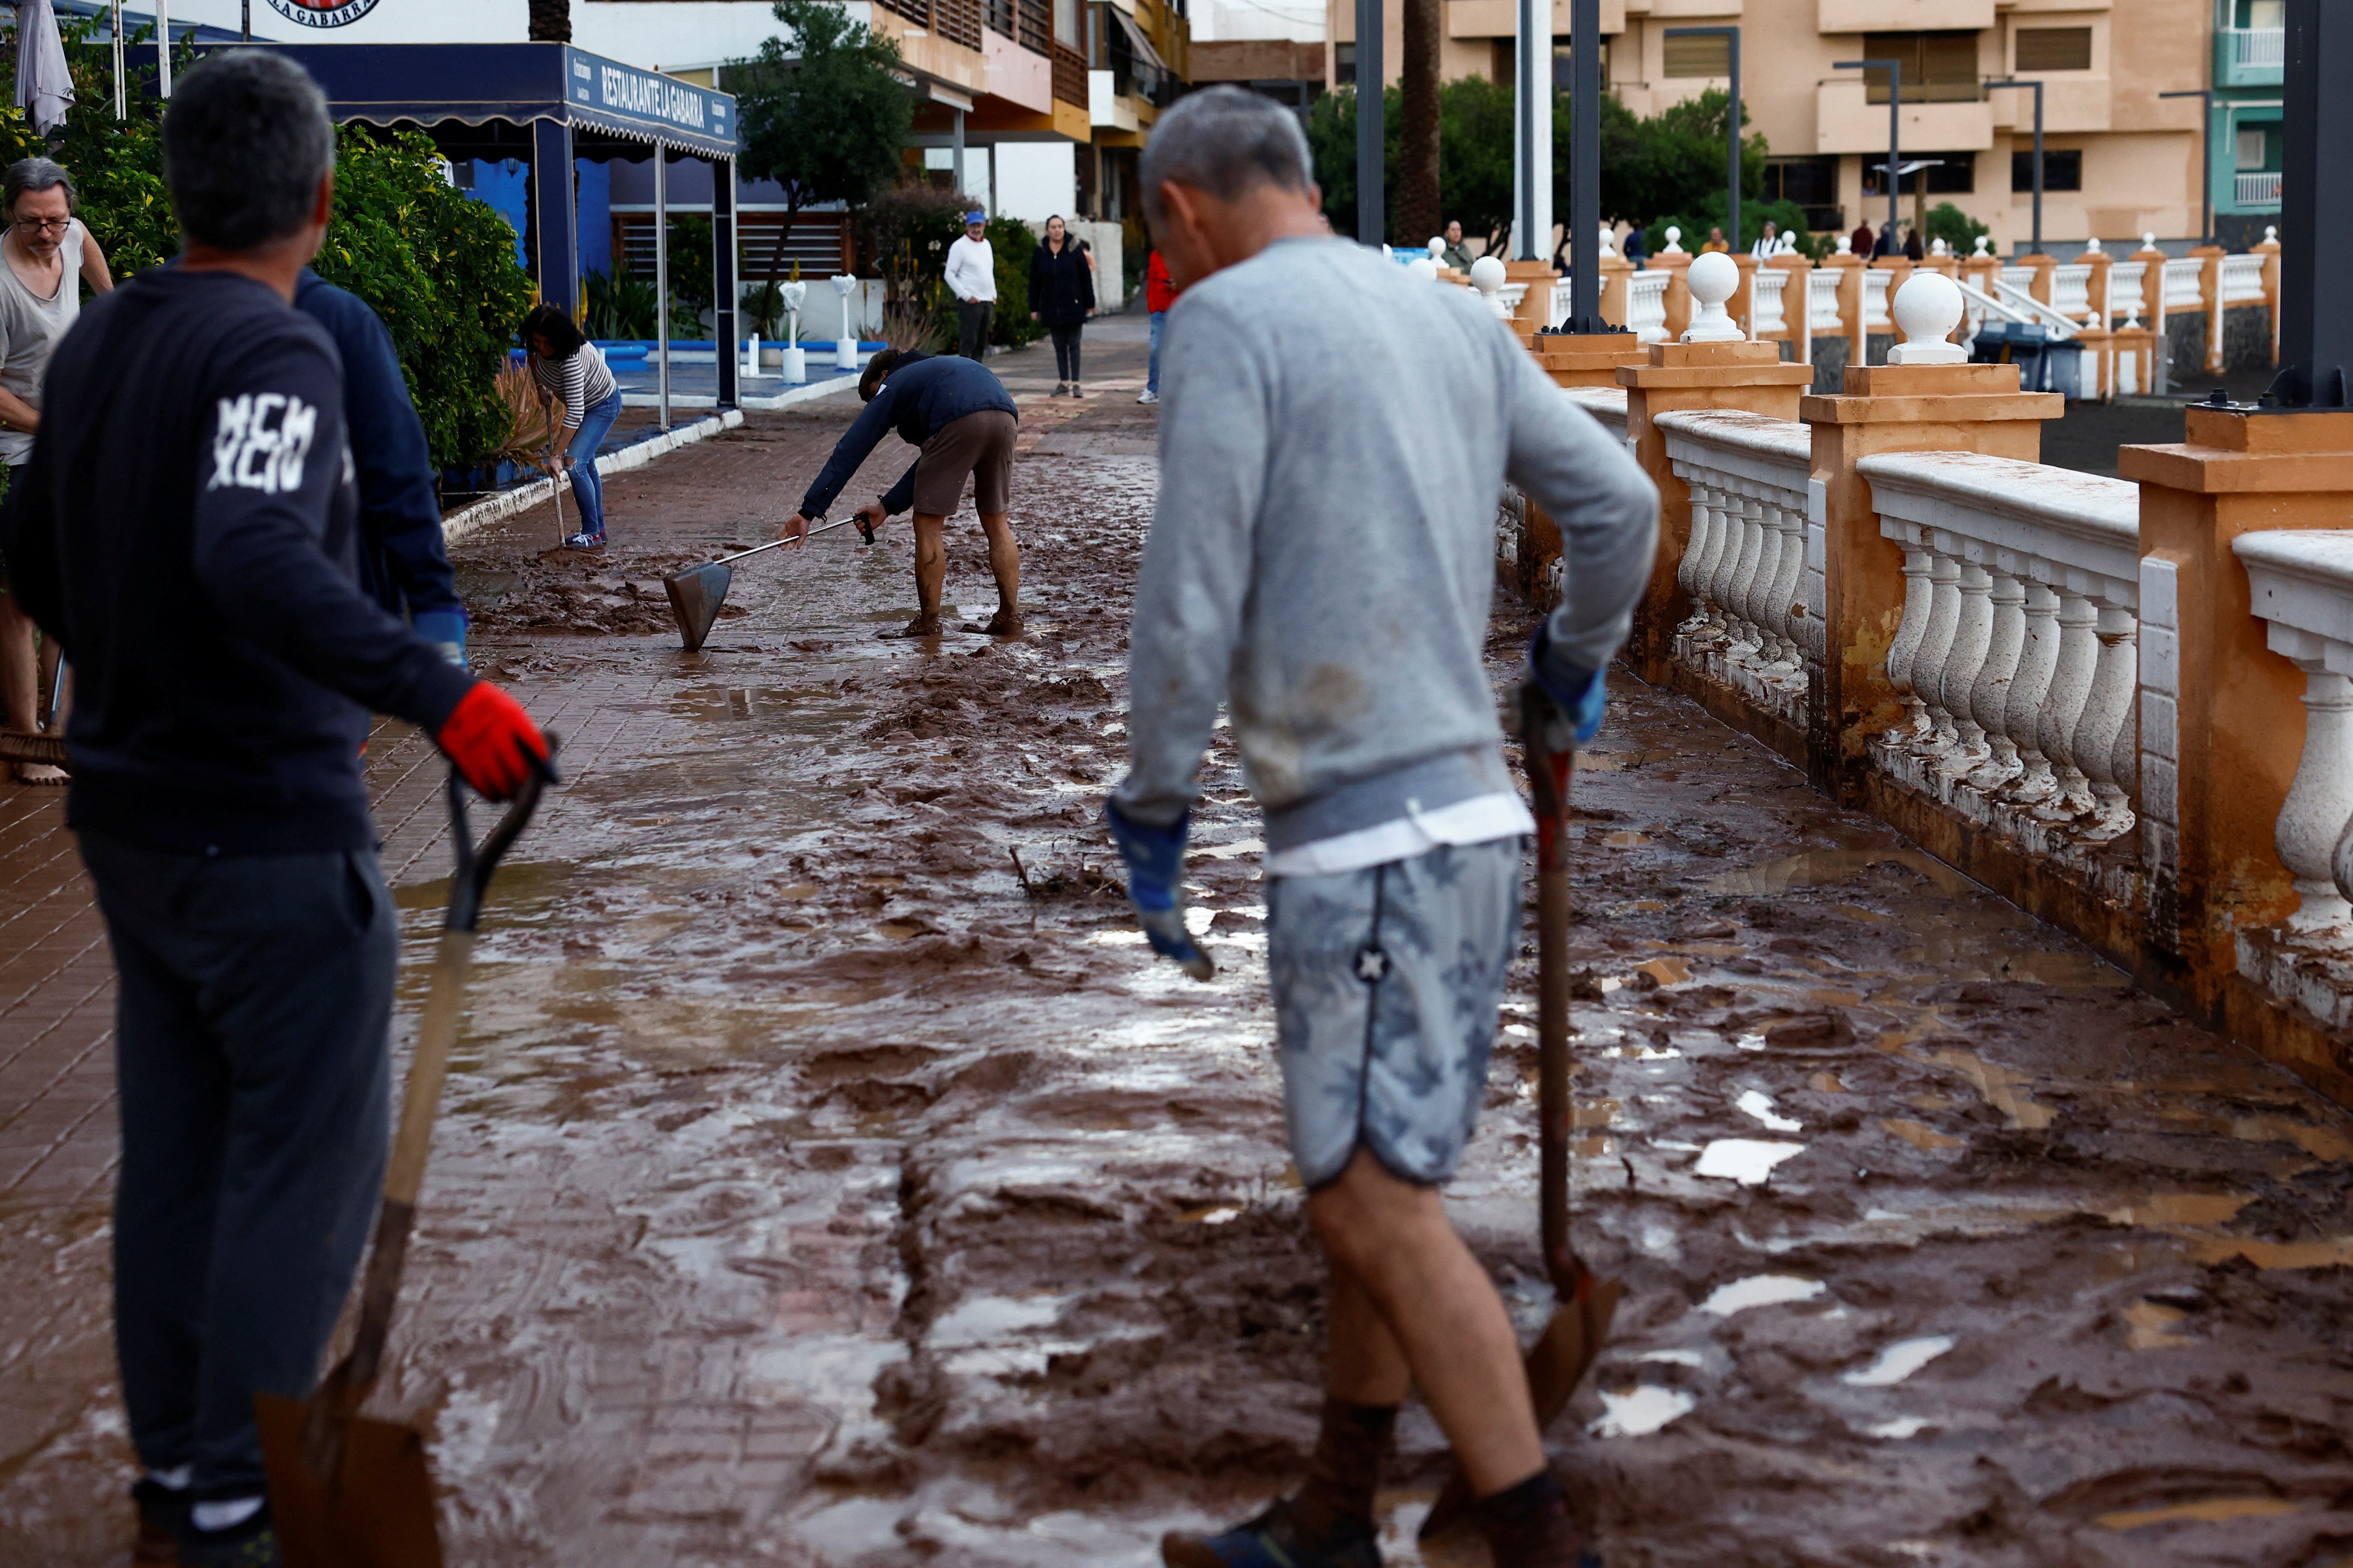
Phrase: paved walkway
x=828 y=1178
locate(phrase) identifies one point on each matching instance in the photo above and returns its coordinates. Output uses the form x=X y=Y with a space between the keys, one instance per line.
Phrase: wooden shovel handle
x=1548 y=775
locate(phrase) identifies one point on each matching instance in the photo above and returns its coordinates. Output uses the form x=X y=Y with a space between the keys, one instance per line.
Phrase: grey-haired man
x=1336 y=434
x=971 y=277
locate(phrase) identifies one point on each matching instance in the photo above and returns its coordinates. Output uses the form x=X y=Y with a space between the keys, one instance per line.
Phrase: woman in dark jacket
x=1062 y=295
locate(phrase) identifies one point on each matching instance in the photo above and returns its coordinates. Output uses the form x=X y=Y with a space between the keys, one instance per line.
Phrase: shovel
x=696 y=594
x=1565 y=1351
x=347 y=1492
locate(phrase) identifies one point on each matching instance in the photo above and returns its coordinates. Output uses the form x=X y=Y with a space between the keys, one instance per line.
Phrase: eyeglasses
x=44 y=224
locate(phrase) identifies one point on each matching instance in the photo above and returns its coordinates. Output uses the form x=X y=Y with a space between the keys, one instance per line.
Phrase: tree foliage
x=907 y=229
x=1954 y=228
x=824 y=115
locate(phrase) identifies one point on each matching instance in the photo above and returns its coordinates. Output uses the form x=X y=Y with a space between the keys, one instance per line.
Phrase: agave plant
x=532 y=425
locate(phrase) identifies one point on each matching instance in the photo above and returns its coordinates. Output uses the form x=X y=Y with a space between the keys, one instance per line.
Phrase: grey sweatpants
x=253 y=1014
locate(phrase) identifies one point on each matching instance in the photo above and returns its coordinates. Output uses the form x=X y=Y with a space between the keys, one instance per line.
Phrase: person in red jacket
x=1159 y=294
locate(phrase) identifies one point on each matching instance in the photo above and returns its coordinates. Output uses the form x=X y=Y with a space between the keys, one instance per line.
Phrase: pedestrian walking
x=971 y=277
x=1159 y=295
x=571 y=371
x=49 y=255
x=1062 y=296
x=1319 y=563
x=961 y=420
x=402 y=562
x=228 y=666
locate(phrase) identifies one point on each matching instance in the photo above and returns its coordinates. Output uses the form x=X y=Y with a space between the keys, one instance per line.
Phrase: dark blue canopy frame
x=565 y=102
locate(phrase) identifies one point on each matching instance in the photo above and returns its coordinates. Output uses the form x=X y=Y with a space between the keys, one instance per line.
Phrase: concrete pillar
x=1589 y=359
x=2268 y=248
x=1675 y=264
x=1615 y=270
x=2209 y=299
x=2039 y=285
x=2222 y=717
x=1889 y=408
x=1850 y=298
x=1742 y=306
x=1674 y=376
x=1535 y=305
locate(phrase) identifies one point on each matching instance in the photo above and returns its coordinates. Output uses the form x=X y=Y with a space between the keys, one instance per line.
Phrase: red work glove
x=493 y=741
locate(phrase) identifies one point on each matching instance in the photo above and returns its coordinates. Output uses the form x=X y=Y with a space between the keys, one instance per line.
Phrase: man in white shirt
x=971 y=279
x=1768 y=243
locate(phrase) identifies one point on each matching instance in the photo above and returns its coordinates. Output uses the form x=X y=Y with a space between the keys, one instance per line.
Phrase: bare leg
x=1368 y=1366
x=1004 y=565
x=930 y=574
x=1440 y=1311
x=19 y=688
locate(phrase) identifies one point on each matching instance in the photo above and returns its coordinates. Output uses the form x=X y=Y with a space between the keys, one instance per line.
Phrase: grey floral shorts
x=1386 y=983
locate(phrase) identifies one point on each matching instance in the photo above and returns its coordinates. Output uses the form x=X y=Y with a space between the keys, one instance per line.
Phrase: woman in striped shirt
x=569 y=369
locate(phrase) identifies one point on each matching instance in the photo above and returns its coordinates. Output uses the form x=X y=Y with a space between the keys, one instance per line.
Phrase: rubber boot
x=1527 y=1526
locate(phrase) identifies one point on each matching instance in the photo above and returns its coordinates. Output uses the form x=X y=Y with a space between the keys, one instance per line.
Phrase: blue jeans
x=1151 y=374
x=580 y=462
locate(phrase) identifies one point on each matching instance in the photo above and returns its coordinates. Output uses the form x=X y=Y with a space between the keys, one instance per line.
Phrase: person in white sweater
x=971 y=279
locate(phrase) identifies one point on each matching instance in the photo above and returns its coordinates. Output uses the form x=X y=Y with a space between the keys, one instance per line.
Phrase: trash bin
x=2062 y=372
x=2022 y=343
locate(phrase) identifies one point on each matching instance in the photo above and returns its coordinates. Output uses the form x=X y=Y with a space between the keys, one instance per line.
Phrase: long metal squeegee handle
x=777 y=543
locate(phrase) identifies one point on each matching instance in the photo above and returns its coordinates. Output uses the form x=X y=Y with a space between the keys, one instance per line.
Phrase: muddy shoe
x=162 y=1515
x=1527 y=1526
x=253 y=1543
x=1272 y=1540
x=920 y=627
x=1003 y=624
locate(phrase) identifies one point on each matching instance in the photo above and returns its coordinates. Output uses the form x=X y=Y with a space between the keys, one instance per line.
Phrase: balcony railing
x=2257 y=45
x=2259 y=190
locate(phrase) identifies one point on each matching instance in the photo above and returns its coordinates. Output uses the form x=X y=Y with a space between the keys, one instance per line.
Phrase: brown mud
x=829 y=1176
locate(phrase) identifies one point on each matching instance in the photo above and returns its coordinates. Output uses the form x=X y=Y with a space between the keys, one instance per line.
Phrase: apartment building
x=2243 y=146
x=2120 y=160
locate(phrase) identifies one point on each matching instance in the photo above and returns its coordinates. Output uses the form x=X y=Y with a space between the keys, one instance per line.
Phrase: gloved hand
x=1155 y=874
x=445 y=629
x=1576 y=698
x=492 y=741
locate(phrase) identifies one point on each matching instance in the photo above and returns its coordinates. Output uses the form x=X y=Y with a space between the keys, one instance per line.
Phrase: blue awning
x=384 y=84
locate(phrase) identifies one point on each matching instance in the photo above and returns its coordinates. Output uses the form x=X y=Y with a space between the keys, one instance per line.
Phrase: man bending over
x=1336 y=434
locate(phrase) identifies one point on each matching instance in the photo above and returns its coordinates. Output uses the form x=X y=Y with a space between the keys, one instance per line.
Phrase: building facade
x=2120 y=160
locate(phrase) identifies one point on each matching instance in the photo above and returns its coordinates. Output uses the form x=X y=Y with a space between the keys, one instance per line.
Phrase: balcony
x=2256 y=192
x=1844 y=122
x=1904 y=16
x=2249 y=57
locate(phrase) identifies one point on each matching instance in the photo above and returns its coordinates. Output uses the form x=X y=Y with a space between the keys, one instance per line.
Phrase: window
x=2257 y=148
x=1564 y=66
x=1707 y=54
x=1066 y=24
x=1937 y=68
x=1808 y=182
x=1343 y=65
x=2061 y=171
x=2054 y=48
x=2269 y=15
x=1947 y=173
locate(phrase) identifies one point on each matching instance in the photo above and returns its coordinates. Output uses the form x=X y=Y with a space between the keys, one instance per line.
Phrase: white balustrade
x=2125 y=297
x=2019 y=277
x=1822 y=300
x=1753 y=565
x=2071 y=289
x=2015 y=658
x=1562 y=302
x=2185 y=283
x=1767 y=312
x=1508 y=298
x=1875 y=298
x=1646 y=305
x=2242 y=280
x=2300 y=585
x=1607 y=403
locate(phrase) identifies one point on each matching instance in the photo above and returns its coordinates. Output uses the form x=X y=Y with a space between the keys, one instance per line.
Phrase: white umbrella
x=44 y=85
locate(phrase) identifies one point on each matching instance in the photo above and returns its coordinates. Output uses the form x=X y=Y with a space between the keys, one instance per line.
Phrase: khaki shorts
x=978 y=447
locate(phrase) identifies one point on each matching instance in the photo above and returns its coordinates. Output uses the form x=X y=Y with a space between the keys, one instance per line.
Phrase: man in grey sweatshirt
x=1335 y=434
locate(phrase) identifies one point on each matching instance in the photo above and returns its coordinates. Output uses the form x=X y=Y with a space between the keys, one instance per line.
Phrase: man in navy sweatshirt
x=403 y=563
x=961 y=419
x=189 y=533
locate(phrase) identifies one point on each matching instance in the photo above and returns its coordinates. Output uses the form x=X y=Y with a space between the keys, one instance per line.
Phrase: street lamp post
x=1731 y=179
x=1584 y=168
x=2316 y=218
x=1371 y=222
x=1532 y=120
x=2205 y=97
x=2038 y=155
x=1894 y=69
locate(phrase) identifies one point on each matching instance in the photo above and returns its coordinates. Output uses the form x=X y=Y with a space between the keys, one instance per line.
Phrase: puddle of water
x=1674 y=1358
x=1625 y=838
x=1900 y=1360
x=1665 y=971
x=1759 y=1105
x=2181 y=1208
x=985 y=1319
x=1760 y=1290
x=1641 y=1411
x=2321 y=1254
x=1216 y=1213
x=1815 y=867
x=2146 y=1326
x=1748 y=1161
x=2005 y=1089
x=2205 y=1511
x=1919 y=1134
x=1895 y=1431
x=1228 y=851
x=1826 y=1083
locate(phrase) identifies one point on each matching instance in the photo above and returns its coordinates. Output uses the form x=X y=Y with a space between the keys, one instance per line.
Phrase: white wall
x=1214 y=21
x=1035 y=180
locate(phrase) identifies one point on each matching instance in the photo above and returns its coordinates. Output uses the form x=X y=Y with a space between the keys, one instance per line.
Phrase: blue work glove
x=1579 y=697
x=1155 y=876
x=445 y=630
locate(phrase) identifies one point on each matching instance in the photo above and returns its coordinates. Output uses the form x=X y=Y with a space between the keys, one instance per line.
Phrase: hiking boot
x=162 y=1515
x=1272 y=1540
x=252 y=1543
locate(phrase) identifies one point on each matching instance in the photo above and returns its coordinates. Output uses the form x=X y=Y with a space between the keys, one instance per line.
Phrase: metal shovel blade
x=374 y=1511
x=695 y=596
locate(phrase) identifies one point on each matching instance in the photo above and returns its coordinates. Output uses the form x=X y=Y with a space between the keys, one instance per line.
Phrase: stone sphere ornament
x=1423 y=268
x=1486 y=274
x=1712 y=278
x=1926 y=309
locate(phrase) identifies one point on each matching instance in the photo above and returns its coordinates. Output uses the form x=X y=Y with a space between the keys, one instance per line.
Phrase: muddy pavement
x=829 y=1176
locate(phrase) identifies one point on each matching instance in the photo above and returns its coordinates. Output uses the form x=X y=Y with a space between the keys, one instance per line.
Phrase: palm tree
x=1418 y=216
x=551 y=21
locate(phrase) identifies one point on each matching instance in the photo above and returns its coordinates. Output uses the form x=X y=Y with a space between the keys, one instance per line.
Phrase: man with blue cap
x=971 y=279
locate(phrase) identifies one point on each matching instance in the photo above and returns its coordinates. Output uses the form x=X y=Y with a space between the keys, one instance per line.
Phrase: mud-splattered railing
x=2016 y=660
x=1753 y=568
x=2300 y=585
x=1527 y=545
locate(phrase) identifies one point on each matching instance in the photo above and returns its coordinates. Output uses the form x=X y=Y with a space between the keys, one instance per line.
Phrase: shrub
x=1010 y=244
x=1954 y=228
x=618 y=308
